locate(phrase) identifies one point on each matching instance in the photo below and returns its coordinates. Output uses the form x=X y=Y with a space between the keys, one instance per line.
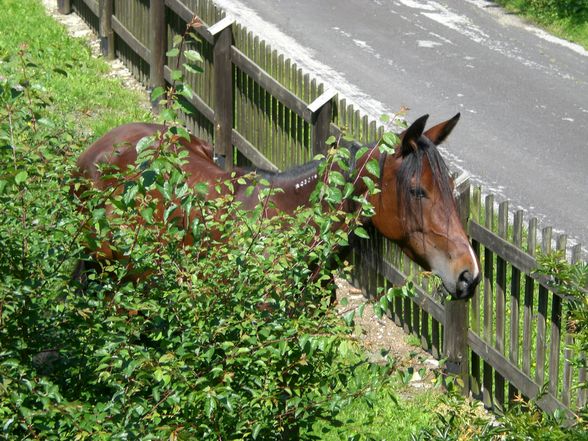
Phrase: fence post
x=106 y=33
x=321 y=110
x=64 y=6
x=158 y=45
x=455 y=330
x=223 y=90
x=455 y=342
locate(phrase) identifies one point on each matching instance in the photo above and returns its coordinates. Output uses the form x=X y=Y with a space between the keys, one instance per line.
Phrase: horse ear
x=412 y=134
x=438 y=133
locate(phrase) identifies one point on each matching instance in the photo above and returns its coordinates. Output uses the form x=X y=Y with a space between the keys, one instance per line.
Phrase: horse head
x=417 y=210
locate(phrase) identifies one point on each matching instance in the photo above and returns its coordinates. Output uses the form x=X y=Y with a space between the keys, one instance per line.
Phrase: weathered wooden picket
x=258 y=106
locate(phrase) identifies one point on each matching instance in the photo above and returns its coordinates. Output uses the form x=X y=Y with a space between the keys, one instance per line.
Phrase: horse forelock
x=412 y=167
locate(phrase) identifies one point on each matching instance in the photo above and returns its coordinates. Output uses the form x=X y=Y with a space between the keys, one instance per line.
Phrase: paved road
x=523 y=98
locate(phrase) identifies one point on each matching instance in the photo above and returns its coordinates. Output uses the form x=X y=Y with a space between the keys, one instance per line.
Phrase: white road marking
x=428 y=43
x=464 y=26
x=366 y=47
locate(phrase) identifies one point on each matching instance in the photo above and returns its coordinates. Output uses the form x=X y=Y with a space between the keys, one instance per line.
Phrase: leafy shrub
x=230 y=337
x=461 y=419
x=557 y=9
x=571 y=281
x=548 y=11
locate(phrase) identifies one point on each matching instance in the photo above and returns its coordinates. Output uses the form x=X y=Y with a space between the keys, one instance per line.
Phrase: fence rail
x=258 y=106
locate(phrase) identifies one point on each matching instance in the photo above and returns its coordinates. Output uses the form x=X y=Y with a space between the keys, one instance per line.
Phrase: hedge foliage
x=557 y=9
x=229 y=338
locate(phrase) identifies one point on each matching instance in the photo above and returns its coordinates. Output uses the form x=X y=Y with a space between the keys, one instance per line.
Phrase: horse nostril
x=466 y=285
x=466 y=277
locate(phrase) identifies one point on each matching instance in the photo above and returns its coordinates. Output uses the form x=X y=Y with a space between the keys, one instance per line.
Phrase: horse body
x=415 y=207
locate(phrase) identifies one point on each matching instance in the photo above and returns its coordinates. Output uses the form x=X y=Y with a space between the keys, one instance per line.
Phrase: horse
x=415 y=207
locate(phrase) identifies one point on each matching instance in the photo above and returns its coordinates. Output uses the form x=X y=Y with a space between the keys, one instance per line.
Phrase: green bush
x=231 y=337
x=558 y=9
x=461 y=419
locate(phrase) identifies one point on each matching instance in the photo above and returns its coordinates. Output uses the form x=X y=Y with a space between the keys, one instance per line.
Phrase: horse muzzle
x=466 y=285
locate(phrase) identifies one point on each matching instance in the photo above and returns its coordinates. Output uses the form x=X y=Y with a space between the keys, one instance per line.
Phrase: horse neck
x=361 y=167
x=297 y=184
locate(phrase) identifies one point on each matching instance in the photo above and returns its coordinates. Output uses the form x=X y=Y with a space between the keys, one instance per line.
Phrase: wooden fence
x=258 y=106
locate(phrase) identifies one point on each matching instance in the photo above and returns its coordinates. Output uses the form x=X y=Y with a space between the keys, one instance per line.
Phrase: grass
x=69 y=73
x=573 y=28
x=398 y=412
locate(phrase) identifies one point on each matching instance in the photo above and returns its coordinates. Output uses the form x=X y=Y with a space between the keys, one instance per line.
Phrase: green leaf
x=192 y=68
x=21 y=177
x=348 y=317
x=361 y=309
x=147 y=214
x=201 y=188
x=348 y=190
x=226 y=402
x=384 y=302
x=378 y=310
x=369 y=184
x=390 y=139
x=181 y=132
x=176 y=75
x=167 y=115
x=193 y=55
x=186 y=91
x=145 y=143
x=336 y=178
x=256 y=429
x=361 y=232
x=210 y=406
x=168 y=211
x=157 y=93
x=373 y=167
x=361 y=152
x=46 y=122
x=331 y=140
x=335 y=195
x=344 y=348
x=174 y=52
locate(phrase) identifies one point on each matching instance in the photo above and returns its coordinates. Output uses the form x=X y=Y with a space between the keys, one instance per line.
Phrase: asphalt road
x=523 y=98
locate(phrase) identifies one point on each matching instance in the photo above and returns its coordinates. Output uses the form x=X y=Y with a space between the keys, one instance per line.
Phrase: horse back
x=117 y=148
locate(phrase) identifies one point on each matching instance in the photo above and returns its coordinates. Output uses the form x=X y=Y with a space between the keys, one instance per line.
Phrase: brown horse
x=415 y=207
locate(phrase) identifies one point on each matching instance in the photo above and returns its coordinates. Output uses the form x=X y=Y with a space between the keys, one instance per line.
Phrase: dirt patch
x=377 y=335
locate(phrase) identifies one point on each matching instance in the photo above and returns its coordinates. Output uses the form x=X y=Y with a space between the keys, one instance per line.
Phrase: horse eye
x=418 y=192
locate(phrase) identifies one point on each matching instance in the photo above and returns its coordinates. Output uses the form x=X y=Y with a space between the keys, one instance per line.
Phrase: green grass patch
x=399 y=412
x=565 y=18
x=65 y=68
